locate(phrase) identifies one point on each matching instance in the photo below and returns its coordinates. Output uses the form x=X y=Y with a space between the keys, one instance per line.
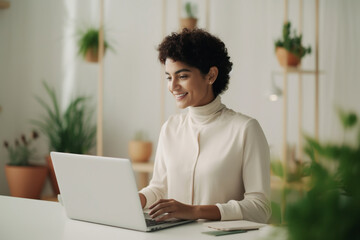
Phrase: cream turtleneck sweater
x=213 y=155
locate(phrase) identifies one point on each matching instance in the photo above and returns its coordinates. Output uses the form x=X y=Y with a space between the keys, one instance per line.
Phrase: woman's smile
x=180 y=96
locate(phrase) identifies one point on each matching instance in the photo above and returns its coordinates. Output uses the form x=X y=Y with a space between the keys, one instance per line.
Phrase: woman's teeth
x=179 y=96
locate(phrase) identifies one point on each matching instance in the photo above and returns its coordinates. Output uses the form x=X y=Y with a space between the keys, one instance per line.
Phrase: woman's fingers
x=159 y=202
x=169 y=208
x=163 y=207
x=158 y=206
x=165 y=217
x=162 y=211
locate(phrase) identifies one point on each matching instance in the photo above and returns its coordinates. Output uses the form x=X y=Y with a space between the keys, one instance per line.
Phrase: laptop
x=103 y=190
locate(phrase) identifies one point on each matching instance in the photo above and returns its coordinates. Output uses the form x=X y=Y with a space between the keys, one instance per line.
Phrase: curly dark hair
x=198 y=48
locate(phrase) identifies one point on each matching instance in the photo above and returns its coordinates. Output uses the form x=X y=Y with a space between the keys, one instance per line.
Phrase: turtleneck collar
x=204 y=114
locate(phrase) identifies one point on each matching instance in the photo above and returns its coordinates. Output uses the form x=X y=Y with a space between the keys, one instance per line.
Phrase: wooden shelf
x=4 y=4
x=144 y=170
x=143 y=167
x=279 y=184
x=296 y=70
x=49 y=198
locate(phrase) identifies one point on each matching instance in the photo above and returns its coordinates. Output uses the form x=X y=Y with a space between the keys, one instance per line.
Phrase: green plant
x=140 y=136
x=190 y=10
x=89 y=39
x=21 y=152
x=296 y=175
x=70 y=131
x=331 y=209
x=301 y=170
x=277 y=168
x=292 y=43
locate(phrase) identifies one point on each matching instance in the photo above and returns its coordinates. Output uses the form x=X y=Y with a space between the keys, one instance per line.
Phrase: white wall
x=37 y=42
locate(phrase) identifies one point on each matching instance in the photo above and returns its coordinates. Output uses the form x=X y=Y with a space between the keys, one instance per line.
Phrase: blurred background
x=39 y=42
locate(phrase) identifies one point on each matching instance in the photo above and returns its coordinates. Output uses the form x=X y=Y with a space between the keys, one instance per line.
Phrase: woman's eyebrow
x=179 y=71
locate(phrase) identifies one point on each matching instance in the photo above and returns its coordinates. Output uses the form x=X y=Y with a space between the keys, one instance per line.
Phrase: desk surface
x=37 y=219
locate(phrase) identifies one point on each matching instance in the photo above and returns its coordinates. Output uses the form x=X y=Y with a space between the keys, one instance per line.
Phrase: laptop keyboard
x=152 y=222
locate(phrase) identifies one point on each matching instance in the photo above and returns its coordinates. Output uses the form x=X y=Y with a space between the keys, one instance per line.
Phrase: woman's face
x=188 y=85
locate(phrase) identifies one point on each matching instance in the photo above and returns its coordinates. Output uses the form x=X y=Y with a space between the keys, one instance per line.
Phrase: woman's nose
x=173 y=85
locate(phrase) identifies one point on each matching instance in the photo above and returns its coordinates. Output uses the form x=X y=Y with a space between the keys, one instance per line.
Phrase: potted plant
x=289 y=50
x=69 y=131
x=88 y=44
x=139 y=148
x=24 y=178
x=190 y=20
x=333 y=197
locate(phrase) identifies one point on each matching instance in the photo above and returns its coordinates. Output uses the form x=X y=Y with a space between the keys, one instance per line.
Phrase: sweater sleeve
x=256 y=204
x=157 y=189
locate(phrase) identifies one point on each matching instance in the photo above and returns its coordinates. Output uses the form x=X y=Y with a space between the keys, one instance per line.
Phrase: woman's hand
x=170 y=208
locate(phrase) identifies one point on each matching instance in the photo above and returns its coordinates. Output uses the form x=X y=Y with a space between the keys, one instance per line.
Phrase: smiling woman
x=211 y=162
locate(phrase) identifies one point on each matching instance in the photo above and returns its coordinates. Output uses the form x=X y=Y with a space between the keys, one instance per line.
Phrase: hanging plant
x=190 y=21
x=289 y=50
x=88 y=44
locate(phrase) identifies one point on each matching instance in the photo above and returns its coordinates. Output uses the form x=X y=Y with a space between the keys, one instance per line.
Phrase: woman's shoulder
x=237 y=117
x=239 y=121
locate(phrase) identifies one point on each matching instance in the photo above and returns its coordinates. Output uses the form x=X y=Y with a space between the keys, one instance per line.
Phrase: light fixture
x=275 y=91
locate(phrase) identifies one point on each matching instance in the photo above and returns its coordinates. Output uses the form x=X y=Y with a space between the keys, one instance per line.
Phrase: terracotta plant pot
x=26 y=181
x=53 y=181
x=189 y=23
x=92 y=55
x=140 y=151
x=286 y=58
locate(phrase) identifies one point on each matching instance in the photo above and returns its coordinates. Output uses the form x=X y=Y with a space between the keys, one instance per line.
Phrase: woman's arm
x=256 y=205
x=209 y=212
x=174 y=209
x=142 y=200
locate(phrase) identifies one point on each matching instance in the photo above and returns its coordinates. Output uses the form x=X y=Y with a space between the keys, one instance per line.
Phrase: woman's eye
x=183 y=76
x=168 y=78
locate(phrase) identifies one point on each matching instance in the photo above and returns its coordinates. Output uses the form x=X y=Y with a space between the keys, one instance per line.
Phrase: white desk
x=43 y=220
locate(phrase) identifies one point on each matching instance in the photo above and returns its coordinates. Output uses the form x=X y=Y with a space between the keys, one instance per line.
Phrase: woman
x=211 y=162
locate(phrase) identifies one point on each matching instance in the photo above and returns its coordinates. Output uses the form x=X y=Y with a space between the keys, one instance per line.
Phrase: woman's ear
x=212 y=74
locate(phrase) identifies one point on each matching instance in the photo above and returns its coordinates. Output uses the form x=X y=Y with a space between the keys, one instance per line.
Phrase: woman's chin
x=181 y=104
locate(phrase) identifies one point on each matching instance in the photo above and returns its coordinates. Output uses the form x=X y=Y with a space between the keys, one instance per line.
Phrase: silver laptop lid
x=99 y=189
